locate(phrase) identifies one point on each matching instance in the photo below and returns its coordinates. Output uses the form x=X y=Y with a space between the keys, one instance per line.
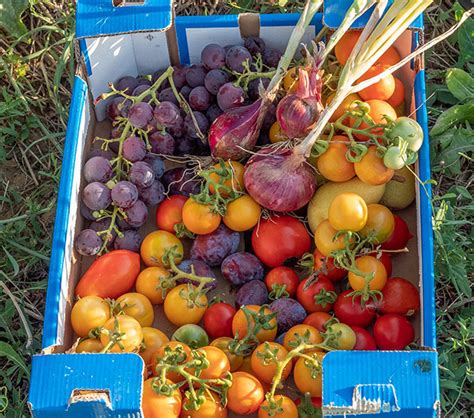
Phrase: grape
x=185 y=91
x=154 y=194
x=199 y=98
x=86 y=212
x=179 y=181
x=200 y=269
x=140 y=89
x=177 y=130
x=140 y=114
x=156 y=164
x=254 y=44
x=122 y=224
x=156 y=75
x=143 y=81
x=271 y=57
x=133 y=149
x=137 y=214
x=98 y=169
x=236 y=56
x=213 y=56
x=202 y=148
x=118 y=106
x=101 y=226
x=161 y=143
x=96 y=196
x=190 y=128
x=152 y=126
x=87 y=242
x=240 y=268
x=215 y=79
x=213 y=112
x=213 y=248
x=254 y=85
x=167 y=114
x=185 y=145
x=99 y=152
x=195 y=75
x=141 y=174
x=167 y=95
x=131 y=240
x=126 y=84
x=179 y=76
x=270 y=117
x=116 y=132
x=230 y=96
x=124 y=194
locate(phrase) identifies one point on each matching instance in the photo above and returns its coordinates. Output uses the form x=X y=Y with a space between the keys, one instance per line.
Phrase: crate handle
x=374 y=399
x=87 y=395
x=126 y=3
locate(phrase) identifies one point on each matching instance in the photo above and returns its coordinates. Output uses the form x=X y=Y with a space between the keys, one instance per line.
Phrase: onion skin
x=297 y=115
x=279 y=180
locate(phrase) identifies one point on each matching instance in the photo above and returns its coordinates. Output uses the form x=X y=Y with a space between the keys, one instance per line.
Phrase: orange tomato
x=348 y=211
x=155 y=405
x=379 y=110
x=289 y=408
x=130 y=331
x=90 y=345
x=153 y=339
x=276 y=134
x=218 y=362
x=235 y=361
x=380 y=223
x=398 y=96
x=183 y=355
x=155 y=245
x=307 y=380
x=343 y=107
x=170 y=212
x=178 y=309
x=371 y=169
x=266 y=371
x=333 y=164
x=368 y=264
x=324 y=238
x=295 y=334
x=389 y=57
x=318 y=320
x=289 y=81
x=242 y=214
x=245 y=395
x=247 y=365
x=137 y=306
x=237 y=181
x=383 y=89
x=199 y=218
x=240 y=325
x=148 y=284
x=87 y=313
x=211 y=408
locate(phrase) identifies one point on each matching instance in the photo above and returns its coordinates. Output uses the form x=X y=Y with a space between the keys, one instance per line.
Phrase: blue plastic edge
x=85 y=54
x=101 y=17
x=53 y=293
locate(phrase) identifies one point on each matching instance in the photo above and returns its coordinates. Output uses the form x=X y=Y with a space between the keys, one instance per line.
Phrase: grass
x=36 y=72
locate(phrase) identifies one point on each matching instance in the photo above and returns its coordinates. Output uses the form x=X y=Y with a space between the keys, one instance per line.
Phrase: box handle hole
x=124 y=3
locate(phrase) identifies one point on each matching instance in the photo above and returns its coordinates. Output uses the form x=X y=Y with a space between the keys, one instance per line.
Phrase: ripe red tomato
x=282 y=279
x=399 y=297
x=386 y=260
x=318 y=297
x=393 y=332
x=110 y=275
x=399 y=237
x=326 y=267
x=318 y=320
x=349 y=310
x=170 y=212
x=364 y=339
x=280 y=238
x=218 y=320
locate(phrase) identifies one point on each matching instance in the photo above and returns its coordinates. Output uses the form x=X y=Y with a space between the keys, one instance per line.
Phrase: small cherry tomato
x=247 y=365
x=349 y=310
x=89 y=345
x=343 y=107
x=180 y=353
x=199 y=218
x=325 y=267
x=155 y=405
x=381 y=113
x=400 y=236
x=364 y=339
x=192 y=335
x=398 y=96
x=210 y=408
x=325 y=239
x=409 y=130
x=309 y=377
x=382 y=89
x=368 y=264
x=309 y=407
x=242 y=214
x=399 y=297
x=393 y=332
x=218 y=320
x=219 y=364
x=179 y=307
x=241 y=326
x=344 y=336
x=289 y=81
x=124 y=334
x=282 y=281
x=333 y=164
x=380 y=223
x=318 y=320
x=155 y=245
x=137 y=306
x=318 y=297
x=87 y=313
x=265 y=370
x=394 y=157
x=371 y=169
x=245 y=395
x=276 y=134
x=287 y=408
x=153 y=339
x=236 y=183
x=170 y=212
x=148 y=284
x=348 y=212
x=301 y=333
x=235 y=360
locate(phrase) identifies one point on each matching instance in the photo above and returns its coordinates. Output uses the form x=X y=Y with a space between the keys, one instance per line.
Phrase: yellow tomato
x=155 y=405
x=124 y=334
x=370 y=265
x=153 y=339
x=348 y=211
x=87 y=313
x=242 y=214
x=137 y=306
x=179 y=310
x=90 y=345
x=276 y=134
x=148 y=284
x=309 y=379
x=199 y=218
x=324 y=238
x=236 y=182
x=289 y=81
x=155 y=245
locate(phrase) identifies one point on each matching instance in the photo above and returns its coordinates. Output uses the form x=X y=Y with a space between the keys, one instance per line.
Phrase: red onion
x=279 y=180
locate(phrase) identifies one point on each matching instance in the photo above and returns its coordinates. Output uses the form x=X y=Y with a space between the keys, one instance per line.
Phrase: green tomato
x=192 y=335
x=409 y=130
x=344 y=336
x=394 y=158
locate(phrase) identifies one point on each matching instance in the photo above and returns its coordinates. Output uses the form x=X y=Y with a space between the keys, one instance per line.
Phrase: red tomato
x=393 y=332
x=110 y=275
x=399 y=237
x=325 y=265
x=282 y=279
x=309 y=407
x=386 y=260
x=399 y=297
x=349 y=310
x=318 y=320
x=218 y=320
x=170 y=212
x=277 y=239
x=364 y=339
x=318 y=297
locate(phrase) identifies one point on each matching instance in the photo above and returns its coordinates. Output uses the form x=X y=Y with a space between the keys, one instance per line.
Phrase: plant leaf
x=455 y=115
x=6 y=350
x=466 y=41
x=460 y=84
x=10 y=16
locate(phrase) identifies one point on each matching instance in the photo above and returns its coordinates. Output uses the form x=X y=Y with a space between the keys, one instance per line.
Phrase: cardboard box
x=139 y=39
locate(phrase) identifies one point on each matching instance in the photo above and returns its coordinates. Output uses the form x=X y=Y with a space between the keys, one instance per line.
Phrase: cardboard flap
x=86 y=385
x=391 y=383
x=100 y=17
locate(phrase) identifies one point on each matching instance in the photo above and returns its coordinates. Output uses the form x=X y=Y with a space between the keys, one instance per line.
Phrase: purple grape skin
x=104 y=225
x=167 y=95
x=195 y=75
x=96 y=196
x=124 y=194
x=213 y=56
x=161 y=143
x=213 y=112
x=86 y=212
x=97 y=169
x=185 y=92
x=199 y=98
x=240 y=268
x=230 y=96
x=154 y=194
x=118 y=106
x=140 y=114
x=126 y=84
x=116 y=132
x=289 y=313
x=271 y=57
x=140 y=89
x=213 y=248
x=137 y=214
x=87 y=242
x=156 y=164
x=167 y=114
x=123 y=225
x=254 y=44
x=131 y=240
x=200 y=269
x=253 y=90
x=252 y=293
x=156 y=75
x=98 y=152
x=179 y=76
x=236 y=56
x=178 y=181
x=177 y=131
x=133 y=149
x=202 y=122
x=141 y=174
x=214 y=80
x=185 y=146
x=143 y=81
